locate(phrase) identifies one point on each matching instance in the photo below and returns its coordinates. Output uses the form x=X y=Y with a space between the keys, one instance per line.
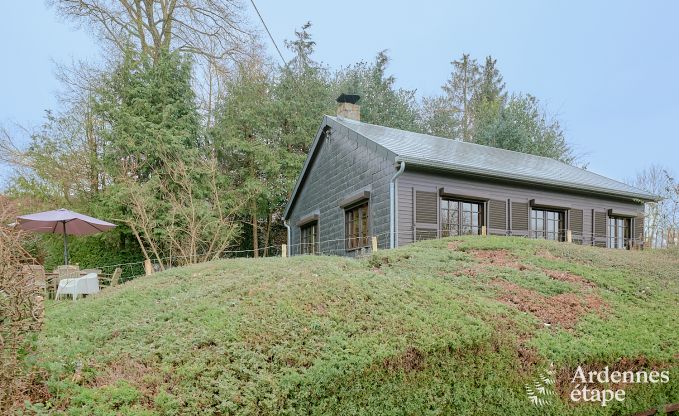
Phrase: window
x=618 y=232
x=461 y=218
x=549 y=225
x=356 y=222
x=309 y=236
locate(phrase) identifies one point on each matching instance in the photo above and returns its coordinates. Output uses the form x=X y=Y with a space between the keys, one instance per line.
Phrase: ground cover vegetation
x=439 y=327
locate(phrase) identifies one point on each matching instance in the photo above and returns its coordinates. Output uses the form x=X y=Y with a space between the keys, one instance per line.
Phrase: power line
x=267 y=31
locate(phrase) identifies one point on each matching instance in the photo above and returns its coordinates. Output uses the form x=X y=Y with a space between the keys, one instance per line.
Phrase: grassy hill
x=437 y=328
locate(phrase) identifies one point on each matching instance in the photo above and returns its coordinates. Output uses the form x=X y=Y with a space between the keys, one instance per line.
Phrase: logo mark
x=541 y=390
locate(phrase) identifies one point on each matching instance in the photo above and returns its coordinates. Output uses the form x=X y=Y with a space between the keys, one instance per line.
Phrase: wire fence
x=365 y=245
x=132 y=270
x=359 y=246
x=563 y=235
x=353 y=247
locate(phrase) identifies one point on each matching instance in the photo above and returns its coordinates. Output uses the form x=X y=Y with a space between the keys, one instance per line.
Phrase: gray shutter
x=599 y=238
x=426 y=215
x=576 y=224
x=520 y=218
x=497 y=217
x=639 y=230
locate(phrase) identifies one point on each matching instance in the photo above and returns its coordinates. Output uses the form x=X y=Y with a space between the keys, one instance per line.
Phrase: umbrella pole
x=65 y=245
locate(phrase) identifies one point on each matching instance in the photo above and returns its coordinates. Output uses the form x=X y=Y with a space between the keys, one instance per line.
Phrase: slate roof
x=423 y=150
x=431 y=151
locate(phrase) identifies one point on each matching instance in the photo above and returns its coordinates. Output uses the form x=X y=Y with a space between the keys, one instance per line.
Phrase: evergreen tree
x=491 y=86
x=165 y=183
x=459 y=91
x=381 y=102
x=303 y=95
x=439 y=118
x=264 y=128
x=248 y=142
x=523 y=126
x=488 y=100
x=302 y=47
x=151 y=113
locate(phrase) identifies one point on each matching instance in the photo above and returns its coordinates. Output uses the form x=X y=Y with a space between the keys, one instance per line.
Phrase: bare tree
x=213 y=31
x=212 y=28
x=63 y=157
x=661 y=216
x=197 y=221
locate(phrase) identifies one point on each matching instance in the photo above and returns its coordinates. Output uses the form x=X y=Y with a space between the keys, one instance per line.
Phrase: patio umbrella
x=62 y=221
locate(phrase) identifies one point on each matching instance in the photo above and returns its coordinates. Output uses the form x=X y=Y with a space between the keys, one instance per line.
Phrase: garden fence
x=366 y=246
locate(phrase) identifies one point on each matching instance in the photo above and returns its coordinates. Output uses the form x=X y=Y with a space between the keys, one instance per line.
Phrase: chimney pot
x=347 y=107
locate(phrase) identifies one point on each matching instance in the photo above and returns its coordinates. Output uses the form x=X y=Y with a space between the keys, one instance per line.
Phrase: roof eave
x=307 y=161
x=526 y=179
x=328 y=121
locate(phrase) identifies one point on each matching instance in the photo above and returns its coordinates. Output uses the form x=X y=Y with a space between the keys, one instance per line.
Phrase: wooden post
x=39 y=310
x=569 y=236
x=284 y=250
x=483 y=230
x=148 y=267
x=374 y=244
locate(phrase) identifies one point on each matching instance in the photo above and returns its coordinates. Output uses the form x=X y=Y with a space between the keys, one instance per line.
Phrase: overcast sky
x=608 y=70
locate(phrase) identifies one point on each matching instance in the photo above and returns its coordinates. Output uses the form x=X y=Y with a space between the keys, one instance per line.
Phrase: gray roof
x=437 y=152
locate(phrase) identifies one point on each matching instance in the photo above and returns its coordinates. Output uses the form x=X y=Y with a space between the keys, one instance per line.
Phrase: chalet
x=361 y=181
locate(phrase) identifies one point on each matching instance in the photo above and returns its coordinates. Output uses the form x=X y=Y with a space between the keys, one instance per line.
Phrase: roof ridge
x=342 y=119
x=351 y=124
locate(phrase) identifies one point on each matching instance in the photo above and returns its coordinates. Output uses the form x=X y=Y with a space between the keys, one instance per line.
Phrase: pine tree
x=524 y=126
x=475 y=108
x=264 y=128
x=491 y=85
x=151 y=112
x=302 y=48
x=381 y=101
x=245 y=136
x=460 y=89
x=303 y=95
x=439 y=118
x=488 y=100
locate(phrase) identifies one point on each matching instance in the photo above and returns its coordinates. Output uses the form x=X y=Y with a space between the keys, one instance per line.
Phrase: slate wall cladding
x=345 y=163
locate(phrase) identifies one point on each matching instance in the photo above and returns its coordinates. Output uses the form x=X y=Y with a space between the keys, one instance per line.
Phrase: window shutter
x=520 y=218
x=599 y=237
x=639 y=230
x=426 y=215
x=576 y=222
x=497 y=217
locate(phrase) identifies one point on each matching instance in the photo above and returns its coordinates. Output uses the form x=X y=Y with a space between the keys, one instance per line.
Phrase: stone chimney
x=347 y=107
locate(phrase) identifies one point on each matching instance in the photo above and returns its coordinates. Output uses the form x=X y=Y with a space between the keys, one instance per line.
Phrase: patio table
x=85 y=285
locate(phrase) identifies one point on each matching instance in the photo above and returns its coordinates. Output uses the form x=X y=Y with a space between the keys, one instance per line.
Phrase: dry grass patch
x=569 y=278
x=454 y=245
x=500 y=258
x=564 y=309
x=546 y=254
x=411 y=360
x=126 y=369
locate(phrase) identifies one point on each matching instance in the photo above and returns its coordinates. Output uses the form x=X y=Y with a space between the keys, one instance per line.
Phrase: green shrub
x=102 y=251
